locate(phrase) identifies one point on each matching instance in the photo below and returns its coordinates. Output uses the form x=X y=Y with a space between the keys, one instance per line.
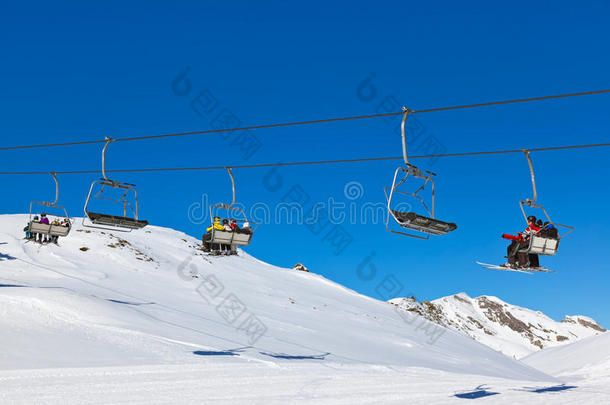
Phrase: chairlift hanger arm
x=108 y=140
x=104 y=179
x=56 y=188
x=413 y=170
x=54 y=202
x=531 y=201
x=403 y=134
x=228 y=206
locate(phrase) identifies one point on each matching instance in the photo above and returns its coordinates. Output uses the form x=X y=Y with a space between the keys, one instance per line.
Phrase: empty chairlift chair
x=422 y=225
x=128 y=199
x=540 y=244
x=49 y=229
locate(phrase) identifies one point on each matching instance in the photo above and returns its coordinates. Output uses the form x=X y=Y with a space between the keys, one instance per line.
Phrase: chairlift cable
x=319 y=162
x=321 y=121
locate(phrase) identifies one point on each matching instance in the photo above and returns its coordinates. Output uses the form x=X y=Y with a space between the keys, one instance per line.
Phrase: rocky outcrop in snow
x=300 y=267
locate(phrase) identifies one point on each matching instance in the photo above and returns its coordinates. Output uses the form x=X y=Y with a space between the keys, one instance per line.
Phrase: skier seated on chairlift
x=234 y=226
x=246 y=228
x=224 y=248
x=43 y=220
x=549 y=231
x=55 y=238
x=206 y=238
x=28 y=234
x=520 y=242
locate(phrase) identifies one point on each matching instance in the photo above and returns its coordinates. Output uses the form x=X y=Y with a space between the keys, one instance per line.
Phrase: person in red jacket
x=520 y=241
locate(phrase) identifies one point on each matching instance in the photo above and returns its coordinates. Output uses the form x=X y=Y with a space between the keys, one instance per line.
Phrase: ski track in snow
x=129 y=324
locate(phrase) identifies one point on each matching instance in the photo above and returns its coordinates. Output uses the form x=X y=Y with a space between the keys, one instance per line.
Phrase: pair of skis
x=526 y=270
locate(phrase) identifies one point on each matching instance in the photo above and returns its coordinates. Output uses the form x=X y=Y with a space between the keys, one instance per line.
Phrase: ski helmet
x=531 y=219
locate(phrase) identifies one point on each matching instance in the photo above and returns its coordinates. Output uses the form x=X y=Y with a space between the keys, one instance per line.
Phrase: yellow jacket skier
x=216 y=225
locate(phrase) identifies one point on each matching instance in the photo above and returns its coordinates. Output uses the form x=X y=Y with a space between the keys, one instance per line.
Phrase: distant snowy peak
x=513 y=330
x=584 y=321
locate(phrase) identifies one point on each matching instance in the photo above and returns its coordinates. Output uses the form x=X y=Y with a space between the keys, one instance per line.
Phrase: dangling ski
x=526 y=270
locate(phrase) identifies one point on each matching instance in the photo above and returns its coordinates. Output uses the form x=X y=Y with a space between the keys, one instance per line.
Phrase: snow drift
x=586 y=358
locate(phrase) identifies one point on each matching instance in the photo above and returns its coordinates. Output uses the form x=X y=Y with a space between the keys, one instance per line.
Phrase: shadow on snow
x=229 y=352
x=554 y=388
x=129 y=303
x=296 y=357
x=478 y=392
x=6 y=257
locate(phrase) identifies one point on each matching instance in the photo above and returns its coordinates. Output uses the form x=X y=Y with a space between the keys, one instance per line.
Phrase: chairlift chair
x=218 y=237
x=99 y=220
x=420 y=224
x=539 y=244
x=49 y=229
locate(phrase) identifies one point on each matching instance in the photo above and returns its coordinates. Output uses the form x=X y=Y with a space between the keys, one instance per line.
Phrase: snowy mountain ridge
x=510 y=329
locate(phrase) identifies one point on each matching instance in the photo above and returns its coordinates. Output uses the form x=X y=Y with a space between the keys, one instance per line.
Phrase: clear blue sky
x=72 y=72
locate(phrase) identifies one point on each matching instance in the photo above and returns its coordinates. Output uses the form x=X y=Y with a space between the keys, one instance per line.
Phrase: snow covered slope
x=151 y=297
x=589 y=357
x=584 y=365
x=147 y=317
x=513 y=330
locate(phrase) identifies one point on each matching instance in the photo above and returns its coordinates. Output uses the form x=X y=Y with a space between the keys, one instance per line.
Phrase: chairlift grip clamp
x=414 y=170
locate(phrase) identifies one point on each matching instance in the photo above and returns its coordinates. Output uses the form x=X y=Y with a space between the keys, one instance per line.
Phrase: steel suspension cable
x=211 y=131
x=319 y=162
